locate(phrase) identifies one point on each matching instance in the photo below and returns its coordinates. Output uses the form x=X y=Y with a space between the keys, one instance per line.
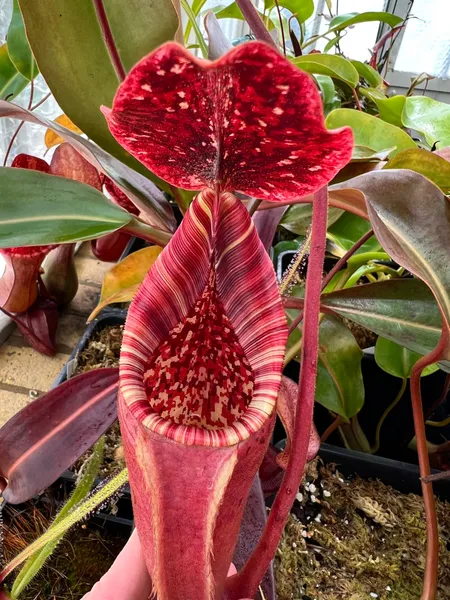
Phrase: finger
x=127 y=578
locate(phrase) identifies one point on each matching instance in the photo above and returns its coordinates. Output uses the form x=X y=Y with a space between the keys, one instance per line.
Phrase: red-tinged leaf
x=26 y=161
x=252 y=526
x=52 y=432
x=266 y=223
x=200 y=366
x=286 y=408
x=38 y=325
x=270 y=472
x=67 y=162
x=250 y=122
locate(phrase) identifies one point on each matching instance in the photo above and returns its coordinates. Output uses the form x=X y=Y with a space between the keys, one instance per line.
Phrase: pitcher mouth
x=203 y=346
x=198 y=386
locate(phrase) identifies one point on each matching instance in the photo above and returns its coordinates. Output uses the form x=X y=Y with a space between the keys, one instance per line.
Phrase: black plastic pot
x=402 y=476
x=124 y=516
x=108 y=316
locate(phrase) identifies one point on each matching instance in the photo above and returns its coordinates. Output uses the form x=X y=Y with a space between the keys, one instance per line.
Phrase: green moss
x=369 y=538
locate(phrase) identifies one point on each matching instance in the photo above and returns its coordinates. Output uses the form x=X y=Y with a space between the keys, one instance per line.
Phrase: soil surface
x=103 y=350
x=82 y=557
x=357 y=540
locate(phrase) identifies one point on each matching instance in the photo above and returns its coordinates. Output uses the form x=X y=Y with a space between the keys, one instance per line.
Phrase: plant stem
x=432 y=556
x=41 y=101
x=342 y=261
x=281 y=26
x=247 y=581
x=331 y=429
x=443 y=423
x=21 y=124
x=147 y=232
x=255 y=23
x=108 y=38
x=201 y=40
x=391 y=407
x=337 y=267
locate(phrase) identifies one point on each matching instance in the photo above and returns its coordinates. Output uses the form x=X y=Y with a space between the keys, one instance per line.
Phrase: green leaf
x=339 y=384
x=303 y=9
x=347 y=230
x=426 y=163
x=35 y=563
x=330 y=99
x=342 y=21
x=196 y=7
x=429 y=117
x=299 y=216
x=232 y=11
x=18 y=46
x=364 y=153
x=397 y=360
x=368 y=73
x=145 y=195
x=390 y=108
x=402 y=310
x=69 y=48
x=411 y=219
x=370 y=131
x=36 y=208
x=332 y=65
x=80 y=512
x=11 y=81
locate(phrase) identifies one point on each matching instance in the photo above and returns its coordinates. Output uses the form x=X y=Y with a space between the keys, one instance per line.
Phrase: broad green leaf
x=35 y=563
x=18 y=46
x=52 y=138
x=429 y=164
x=347 y=230
x=402 y=310
x=232 y=11
x=341 y=21
x=332 y=65
x=368 y=73
x=390 y=108
x=411 y=218
x=364 y=153
x=36 y=208
x=70 y=51
x=303 y=9
x=330 y=99
x=370 y=131
x=397 y=360
x=339 y=384
x=299 y=216
x=122 y=282
x=429 y=117
x=143 y=193
x=11 y=81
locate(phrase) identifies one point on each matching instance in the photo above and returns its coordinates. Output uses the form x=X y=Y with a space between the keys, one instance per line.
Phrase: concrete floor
x=24 y=373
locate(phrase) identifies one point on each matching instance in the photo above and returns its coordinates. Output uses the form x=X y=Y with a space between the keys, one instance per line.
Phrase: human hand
x=128 y=578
